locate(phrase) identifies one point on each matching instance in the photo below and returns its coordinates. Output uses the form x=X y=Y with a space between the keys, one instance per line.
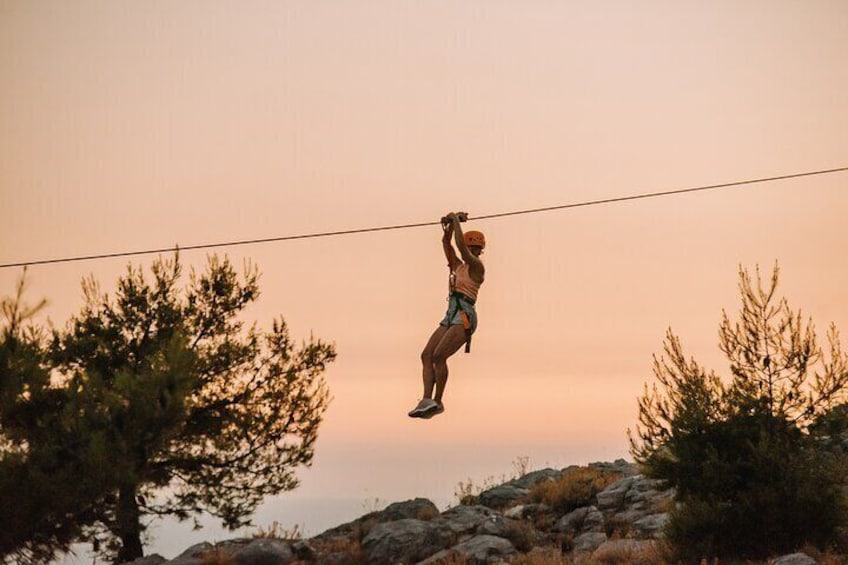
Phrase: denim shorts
x=453 y=317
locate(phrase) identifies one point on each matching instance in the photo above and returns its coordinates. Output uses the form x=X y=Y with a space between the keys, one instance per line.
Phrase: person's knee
x=439 y=357
x=427 y=356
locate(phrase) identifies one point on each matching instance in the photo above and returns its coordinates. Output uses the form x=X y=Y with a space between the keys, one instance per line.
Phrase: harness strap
x=466 y=319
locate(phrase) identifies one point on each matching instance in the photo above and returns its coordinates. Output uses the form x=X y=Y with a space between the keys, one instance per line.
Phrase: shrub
x=521 y=534
x=547 y=556
x=629 y=552
x=577 y=487
x=753 y=459
x=761 y=487
x=278 y=531
x=467 y=492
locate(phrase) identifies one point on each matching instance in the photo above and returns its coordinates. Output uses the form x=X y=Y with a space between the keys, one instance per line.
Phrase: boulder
x=612 y=498
x=479 y=550
x=484 y=549
x=520 y=533
x=497 y=525
x=584 y=519
x=154 y=559
x=417 y=508
x=573 y=521
x=502 y=496
x=263 y=551
x=527 y=510
x=197 y=554
x=464 y=519
x=645 y=494
x=594 y=521
x=651 y=526
x=405 y=540
x=619 y=467
x=795 y=559
x=530 y=480
x=634 y=497
x=588 y=542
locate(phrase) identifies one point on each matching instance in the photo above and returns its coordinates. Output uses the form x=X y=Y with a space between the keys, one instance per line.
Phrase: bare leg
x=451 y=341
x=429 y=372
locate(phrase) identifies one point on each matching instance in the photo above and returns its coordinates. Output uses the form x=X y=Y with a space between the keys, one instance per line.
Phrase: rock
x=405 y=540
x=584 y=519
x=594 y=521
x=154 y=559
x=624 y=551
x=651 y=526
x=194 y=555
x=530 y=480
x=795 y=559
x=634 y=497
x=619 y=467
x=417 y=508
x=527 y=510
x=573 y=521
x=481 y=549
x=502 y=496
x=263 y=551
x=478 y=550
x=612 y=497
x=645 y=493
x=303 y=550
x=521 y=534
x=588 y=542
x=496 y=525
x=625 y=518
x=464 y=519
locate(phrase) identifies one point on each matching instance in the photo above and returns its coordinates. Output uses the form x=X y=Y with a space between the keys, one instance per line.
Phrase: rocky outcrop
x=622 y=523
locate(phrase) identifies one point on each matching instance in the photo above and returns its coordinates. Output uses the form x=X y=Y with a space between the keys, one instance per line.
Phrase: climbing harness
x=462 y=306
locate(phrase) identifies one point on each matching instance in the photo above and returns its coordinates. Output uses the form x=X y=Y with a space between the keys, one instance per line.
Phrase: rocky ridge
x=621 y=523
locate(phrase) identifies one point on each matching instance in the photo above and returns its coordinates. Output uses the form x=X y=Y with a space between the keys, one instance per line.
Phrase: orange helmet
x=474 y=237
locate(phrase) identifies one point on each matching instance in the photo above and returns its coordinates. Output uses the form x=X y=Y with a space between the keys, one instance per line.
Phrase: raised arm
x=475 y=265
x=450 y=254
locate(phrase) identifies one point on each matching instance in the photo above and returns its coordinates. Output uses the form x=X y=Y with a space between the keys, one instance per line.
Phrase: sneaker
x=425 y=405
x=437 y=408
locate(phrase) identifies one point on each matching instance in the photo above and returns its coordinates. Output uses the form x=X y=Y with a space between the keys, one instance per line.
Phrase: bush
x=545 y=556
x=756 y=459
x=761 y=487
x=576 y=488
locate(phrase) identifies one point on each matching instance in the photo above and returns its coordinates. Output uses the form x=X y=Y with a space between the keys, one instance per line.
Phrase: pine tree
x=752 y=469
x=174 y=404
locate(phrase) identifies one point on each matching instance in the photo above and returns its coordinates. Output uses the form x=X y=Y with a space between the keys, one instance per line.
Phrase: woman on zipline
x=466 y=276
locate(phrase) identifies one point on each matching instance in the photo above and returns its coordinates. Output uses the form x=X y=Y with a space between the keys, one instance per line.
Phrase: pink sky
x=128 y=126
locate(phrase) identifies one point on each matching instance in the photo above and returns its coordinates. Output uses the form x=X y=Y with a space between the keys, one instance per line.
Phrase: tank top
x=461 y=281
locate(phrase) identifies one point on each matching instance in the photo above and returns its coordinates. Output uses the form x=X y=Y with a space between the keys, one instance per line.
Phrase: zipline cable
x=422 y=224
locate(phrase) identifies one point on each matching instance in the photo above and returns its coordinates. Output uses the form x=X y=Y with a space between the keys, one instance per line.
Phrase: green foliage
x=747 y=456
x=39 y=513
x=159 y=401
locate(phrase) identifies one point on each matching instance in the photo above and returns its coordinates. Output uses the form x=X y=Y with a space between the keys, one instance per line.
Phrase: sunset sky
x=138 y=125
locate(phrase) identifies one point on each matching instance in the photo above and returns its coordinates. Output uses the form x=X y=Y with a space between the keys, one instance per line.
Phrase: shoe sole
x=418 y=413
x=432 y=412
